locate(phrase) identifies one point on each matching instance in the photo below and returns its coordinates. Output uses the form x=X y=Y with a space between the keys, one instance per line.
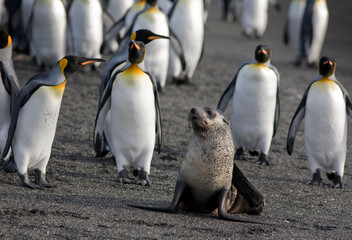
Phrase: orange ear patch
x=9 y=41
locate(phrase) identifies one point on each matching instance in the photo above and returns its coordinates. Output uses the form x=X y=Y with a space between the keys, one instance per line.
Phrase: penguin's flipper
x=229 y=91
x=346 y=97
x=103 y=109
x=286 y=38
x=178 y=49
x=10 y=81
x=171 y=11
x=277 y=108
x=253 y=196
x=158 y=112
x=296 y=121
x=307 y=28
x=173 y=207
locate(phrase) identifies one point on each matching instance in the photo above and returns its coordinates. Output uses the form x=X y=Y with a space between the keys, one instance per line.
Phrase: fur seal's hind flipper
x=173 y=207
x=222 y=204
x=250 y=193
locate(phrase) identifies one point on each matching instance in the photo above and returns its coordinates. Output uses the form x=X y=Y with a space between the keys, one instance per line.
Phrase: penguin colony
x=128 y=120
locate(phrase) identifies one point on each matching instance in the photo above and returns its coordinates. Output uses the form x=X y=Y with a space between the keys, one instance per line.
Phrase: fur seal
x=208 y=180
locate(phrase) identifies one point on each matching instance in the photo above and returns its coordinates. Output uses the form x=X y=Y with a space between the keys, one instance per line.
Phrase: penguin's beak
x=153 y=37
x=262 y=51
x=92 y=60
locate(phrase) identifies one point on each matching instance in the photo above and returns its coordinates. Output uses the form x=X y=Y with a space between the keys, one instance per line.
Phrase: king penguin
x=314 y=26
x=324 y=107
x=255 y=105
x=47 y=32
x=254 y=17
x=293 y=26
x=187 y=23
x=117 y=62
x=34 y=119
x=8 y=86
x=85 y=28
x=132 y=101
x=156 y=62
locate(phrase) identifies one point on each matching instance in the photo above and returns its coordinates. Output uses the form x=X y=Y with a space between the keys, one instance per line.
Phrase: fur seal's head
x=204 y=119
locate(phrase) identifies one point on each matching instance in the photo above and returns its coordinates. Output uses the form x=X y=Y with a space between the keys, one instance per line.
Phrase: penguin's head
x=262 y=53
x=5 y=39
x=136 y=52
x=70 y=64
x=146 y=36
x=152 y=2
x=327 y=66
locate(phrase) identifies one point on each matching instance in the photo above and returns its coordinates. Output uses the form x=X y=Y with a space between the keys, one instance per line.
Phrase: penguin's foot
x=239 y=155
x=253 y=153
x=311 y=64
x=263 y=159
x=317 y=180
x=26 y=183
x=181 y=80
x=330 y=175
x=143 y=178
x=338 y=182
x=123 y=177
x=40 y=179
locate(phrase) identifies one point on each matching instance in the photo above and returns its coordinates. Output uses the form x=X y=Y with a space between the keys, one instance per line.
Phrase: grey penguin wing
x=246 y=188
x=103 y=109
x=176 y=45
x=277 y=108
x=286 y=38
x=296 y=121
x=22 y=98
x=222 y=203
x=173 y=207
x=229 y=91
x=157 y=111
x=307 y=27
x=10 y=82
x=346 y=97
x=171 y=11
x=113 y=32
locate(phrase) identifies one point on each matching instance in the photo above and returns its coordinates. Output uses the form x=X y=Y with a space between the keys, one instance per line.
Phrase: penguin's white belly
x=157 y=52
x=253 y=108
x=325 y=126
x=36 y=126
x=87 y=28
x=295 y=17
x=320 y=20
x=187 y=23
x=201 y=173
x=48 y=37
x=254 y=16
x=4 y=115
x=132 y=118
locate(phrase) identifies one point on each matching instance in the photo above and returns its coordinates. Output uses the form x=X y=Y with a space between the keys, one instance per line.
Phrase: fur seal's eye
x=211 y=113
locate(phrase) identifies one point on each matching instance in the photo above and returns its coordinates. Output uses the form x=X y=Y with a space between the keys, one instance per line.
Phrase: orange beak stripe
x=88 y=62
x=153 y=37
x=136 y=46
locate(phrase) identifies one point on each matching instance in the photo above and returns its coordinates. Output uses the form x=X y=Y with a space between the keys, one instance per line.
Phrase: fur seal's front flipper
x=179 y=189
x=222 y=204
x=248 y=191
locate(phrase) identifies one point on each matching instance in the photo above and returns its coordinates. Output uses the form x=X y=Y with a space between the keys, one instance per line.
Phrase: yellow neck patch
x=60 y=87
x=133 y=70
x=63 y=63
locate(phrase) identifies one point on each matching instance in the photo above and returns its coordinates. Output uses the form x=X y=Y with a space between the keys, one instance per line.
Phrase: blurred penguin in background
x=85 y=28
x=293 y=26
x=314 y=26
x=46 y=32
x=116 y=10
x=254 y=17
x=186 y=22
